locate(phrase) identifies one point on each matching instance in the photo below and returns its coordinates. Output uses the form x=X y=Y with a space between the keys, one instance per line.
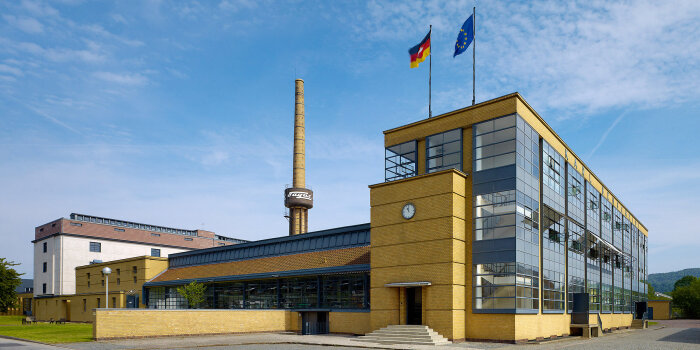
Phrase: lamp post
x=106 y=271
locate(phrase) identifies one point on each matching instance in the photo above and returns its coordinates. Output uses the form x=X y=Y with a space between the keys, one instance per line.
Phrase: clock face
x=408 y=211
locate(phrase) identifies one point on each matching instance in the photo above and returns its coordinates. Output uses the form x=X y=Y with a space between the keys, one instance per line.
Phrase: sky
x=180 y=113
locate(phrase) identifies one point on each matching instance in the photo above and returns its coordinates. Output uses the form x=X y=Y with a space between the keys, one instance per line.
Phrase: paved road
x=12 y=344
x=675 y=334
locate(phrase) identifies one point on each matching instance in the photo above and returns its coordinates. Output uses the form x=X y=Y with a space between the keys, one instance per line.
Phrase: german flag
x=420 y=52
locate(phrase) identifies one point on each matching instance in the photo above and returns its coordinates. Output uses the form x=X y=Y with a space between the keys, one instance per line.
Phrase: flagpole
x=430 y=75
x=474 y=60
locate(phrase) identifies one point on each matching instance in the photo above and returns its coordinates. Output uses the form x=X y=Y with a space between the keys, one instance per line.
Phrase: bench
x=585 y=330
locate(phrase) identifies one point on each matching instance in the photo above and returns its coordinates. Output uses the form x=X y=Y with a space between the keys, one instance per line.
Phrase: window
x=118 y=281
x=155 y=252
x=45 y=247
x=135 y=279
x=76 y=224
x=84 y=305
x=45 y=267
x=103 y=283
x=114 y=302
x=494 y=215
x=88 y=279
x=119 y=272
x=43 y=288
x=95 y=247
x=155 y=234
x=134 y=269
x=98 y=303
x=444 y=151
x=400 y=161
x=188 y=239
x=494 y=143
x=119 y=229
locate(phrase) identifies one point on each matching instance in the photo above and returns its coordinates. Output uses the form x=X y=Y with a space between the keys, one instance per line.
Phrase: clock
x=408 y=211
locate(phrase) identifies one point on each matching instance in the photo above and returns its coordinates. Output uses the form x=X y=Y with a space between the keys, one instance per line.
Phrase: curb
x=27 y=340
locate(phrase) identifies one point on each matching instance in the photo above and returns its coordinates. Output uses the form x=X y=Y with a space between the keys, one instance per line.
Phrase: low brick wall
x=137 y=323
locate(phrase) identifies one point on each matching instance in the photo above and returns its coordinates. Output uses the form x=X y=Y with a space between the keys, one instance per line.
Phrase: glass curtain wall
x=576 y=238
x=594 y=247
x=444 y=151
x=553 y=230
x=527 y=221
x=627 y=275
x=342 y=291
x=506 y=216
x=606 y=264
x=619 y=298
x=400 y=161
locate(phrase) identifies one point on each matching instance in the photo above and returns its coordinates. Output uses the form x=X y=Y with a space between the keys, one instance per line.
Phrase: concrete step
x=405 y=334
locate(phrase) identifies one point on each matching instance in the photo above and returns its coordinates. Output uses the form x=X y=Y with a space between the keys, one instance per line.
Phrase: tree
x=683 y=282
x=9 y=281
x=687 y=298
x=193 y=292
x=650 y=292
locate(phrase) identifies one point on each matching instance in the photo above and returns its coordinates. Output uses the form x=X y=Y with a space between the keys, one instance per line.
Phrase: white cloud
x=123 y=78
x=12 y=70
x=25 y=24
x=567 y=56
x=39 y=9
x=236 y=5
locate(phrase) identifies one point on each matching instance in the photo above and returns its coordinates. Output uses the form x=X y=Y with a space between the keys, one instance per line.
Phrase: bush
x=687 y=298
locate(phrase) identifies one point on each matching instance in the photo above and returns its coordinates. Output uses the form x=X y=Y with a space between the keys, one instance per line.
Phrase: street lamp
x=106 y=271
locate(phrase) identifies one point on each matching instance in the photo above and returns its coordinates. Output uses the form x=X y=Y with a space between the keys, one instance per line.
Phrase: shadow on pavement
x=690 y=335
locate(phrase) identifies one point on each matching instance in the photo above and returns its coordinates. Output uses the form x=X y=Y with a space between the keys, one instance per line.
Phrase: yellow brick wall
x=349 y=322
x=122 y=276
x=429 y=247
x=127 y=323
x=662 y=309
x=75 y=307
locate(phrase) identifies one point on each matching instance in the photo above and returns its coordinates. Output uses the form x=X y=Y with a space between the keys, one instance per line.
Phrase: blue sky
x=180 y=113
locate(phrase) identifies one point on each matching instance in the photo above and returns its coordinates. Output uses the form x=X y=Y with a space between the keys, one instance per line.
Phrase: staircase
x=639 y=324
x=404 y=334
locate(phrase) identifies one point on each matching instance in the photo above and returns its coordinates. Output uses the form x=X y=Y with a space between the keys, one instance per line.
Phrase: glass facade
x=535 y=217
x=575 y=262
x=606 y=286
x=400 y=161
x=494 y=143
x=342 y=291
x=594 y=247
x=553 y=230
x=444 y=151
x=506 y=216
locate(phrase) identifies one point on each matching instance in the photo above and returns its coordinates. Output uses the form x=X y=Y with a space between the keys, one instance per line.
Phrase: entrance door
x=314 y=323
x=414 y=305
x=132 y=301
x=650 y=313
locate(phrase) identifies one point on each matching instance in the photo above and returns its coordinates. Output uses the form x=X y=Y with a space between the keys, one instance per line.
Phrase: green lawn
x=15 y=320
x=45 y=332
x=651 y=323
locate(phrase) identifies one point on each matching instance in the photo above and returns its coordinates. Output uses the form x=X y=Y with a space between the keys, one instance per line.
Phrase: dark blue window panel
x=338 y=238
x=493 y=257
x=493 y=174
x=495 y=186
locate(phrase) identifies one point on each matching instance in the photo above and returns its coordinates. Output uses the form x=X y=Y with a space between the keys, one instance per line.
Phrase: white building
x=64 y=244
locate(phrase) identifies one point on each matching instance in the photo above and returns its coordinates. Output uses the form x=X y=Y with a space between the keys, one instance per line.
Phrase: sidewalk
x=270 y=339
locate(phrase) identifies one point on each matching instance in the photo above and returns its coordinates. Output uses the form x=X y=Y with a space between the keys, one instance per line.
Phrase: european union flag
x=465 y=36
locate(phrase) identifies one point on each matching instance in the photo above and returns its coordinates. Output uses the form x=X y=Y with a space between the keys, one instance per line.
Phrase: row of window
x=344 y=291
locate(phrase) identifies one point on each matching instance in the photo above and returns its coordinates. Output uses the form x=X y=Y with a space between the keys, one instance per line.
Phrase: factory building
x=62 y=245
x=485 y=227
